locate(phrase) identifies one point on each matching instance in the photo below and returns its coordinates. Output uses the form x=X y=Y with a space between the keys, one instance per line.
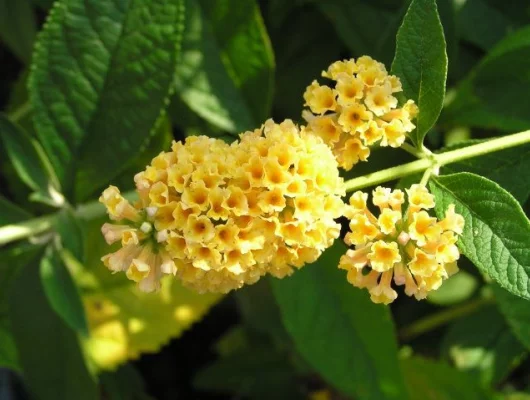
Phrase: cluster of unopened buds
x=219 y=216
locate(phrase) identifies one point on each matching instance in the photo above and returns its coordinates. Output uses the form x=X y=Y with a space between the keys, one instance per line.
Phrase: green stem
x=427 y=174
x=17 y=114
x=412 y=150
x=441 y=159
x=10 y=233
x=441 y=318
x=24 y=229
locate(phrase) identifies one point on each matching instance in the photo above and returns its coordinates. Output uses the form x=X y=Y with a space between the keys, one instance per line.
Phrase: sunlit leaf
x=497 y=246
x=123 y=321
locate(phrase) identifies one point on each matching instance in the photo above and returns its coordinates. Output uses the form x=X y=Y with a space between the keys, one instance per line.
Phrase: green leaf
x=429 y=380
x=517 y=314
x=30 y=162
x=11 y=213
x=456 y=289
x=232 y=341
x=509 y=168
x=43 y=4
x=245 y=49
x=18 y=27
x=421 y=63
x=49 y=352
x=71 y=233
x=447 y=13
x=481 y=102
x=482 y=345
x=359 y=25
x=516 y=396
x=12 y=260
x=260 y=313
x=482 y=24
x=496 y=235
x=125 y=383
x=348 y=339
x=226 y=71
x=297 y=65
x=8 y=351
x=160 y=139
x=61 y=290
x=257 y=373
x=101 y=75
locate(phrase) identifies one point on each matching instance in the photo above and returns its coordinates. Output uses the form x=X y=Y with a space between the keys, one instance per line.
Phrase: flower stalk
x=441 y=159
x=437 y=320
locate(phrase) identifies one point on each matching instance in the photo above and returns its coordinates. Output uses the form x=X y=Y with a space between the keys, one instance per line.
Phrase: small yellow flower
x=351 y=152
x=379 y=99
x=141 y=265
x=372 y=76
x=360 y=106
x=338 y=68
x=423 y=228
x=350 y=89
x=117 y=206
x=394 y=133
x=362 y=230
x=453 y=221
x=387 y=221
x=113 y=233
x=271 y=201
x=382 y=292
x=159 y=194
x=412 y=248
x=357 y=204
x=199 y=229
x=383 y=255
x=355 y=118
x=372 y=134
x=327 y=128
x=320 y=98
x=121 y=259
x=419 y=197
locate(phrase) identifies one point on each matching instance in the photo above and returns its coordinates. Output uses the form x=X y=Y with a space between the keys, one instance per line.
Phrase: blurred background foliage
x=71 y=330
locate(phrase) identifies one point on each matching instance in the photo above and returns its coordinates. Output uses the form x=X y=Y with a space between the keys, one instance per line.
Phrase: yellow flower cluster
x=359 y=111
x=413 y=248
x=220 y=216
